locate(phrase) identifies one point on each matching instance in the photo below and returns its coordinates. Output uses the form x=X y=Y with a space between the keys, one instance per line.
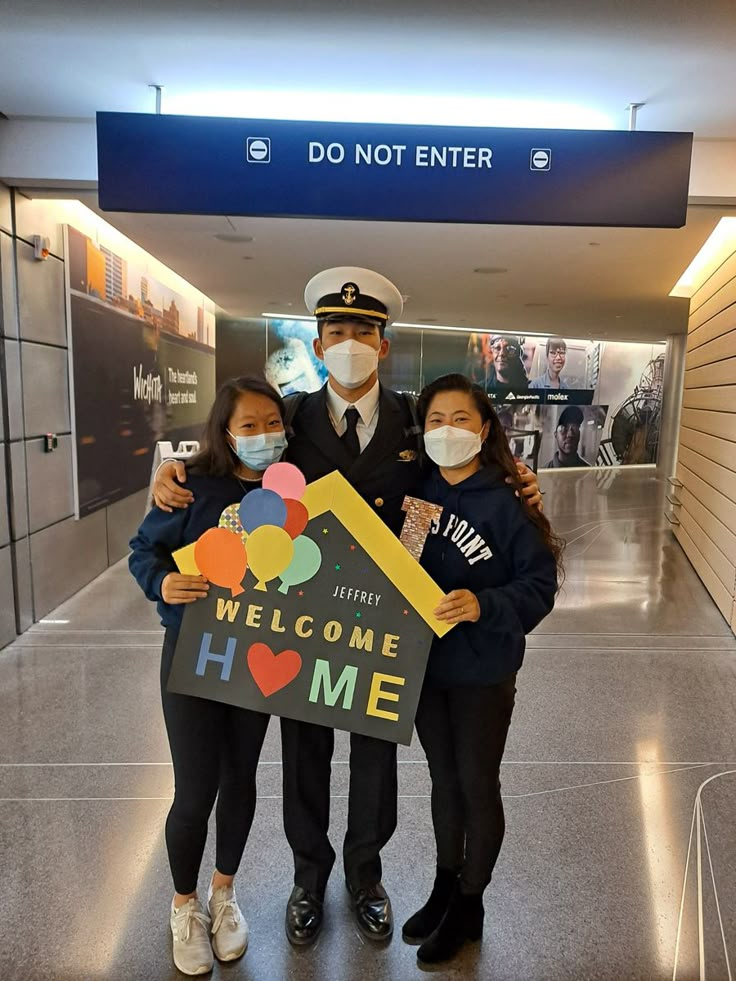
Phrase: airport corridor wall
x=706 y=469
x=46 y=555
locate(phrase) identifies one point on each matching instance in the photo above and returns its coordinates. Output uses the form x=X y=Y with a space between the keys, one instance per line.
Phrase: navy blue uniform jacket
x=384 y=473
x=162 y=533
x=484 y=542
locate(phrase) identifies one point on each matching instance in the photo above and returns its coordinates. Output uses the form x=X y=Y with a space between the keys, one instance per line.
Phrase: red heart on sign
x=272 y=672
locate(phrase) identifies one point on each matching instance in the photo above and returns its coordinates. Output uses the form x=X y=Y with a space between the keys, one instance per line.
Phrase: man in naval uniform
x=370 y=434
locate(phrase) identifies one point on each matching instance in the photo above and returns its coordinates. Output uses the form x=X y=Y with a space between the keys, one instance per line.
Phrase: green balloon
x=304 y=566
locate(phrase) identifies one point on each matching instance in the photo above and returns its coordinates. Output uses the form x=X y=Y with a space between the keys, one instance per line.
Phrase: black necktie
x=350 y=436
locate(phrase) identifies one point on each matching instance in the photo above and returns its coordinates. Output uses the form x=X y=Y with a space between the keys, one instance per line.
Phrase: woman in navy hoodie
x=498 y=560
x=214 y=747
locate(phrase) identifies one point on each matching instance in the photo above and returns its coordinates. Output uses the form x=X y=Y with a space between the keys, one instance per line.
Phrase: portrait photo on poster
x=571 y=435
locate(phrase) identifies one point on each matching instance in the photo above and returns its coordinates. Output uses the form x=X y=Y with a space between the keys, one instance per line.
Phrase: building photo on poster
x=157 y=379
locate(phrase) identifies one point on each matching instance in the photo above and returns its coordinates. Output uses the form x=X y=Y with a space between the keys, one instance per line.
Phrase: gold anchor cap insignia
x=349 y=294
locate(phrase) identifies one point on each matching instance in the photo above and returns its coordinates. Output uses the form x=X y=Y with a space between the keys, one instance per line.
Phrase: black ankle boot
x=463 y=921
x=426 y=920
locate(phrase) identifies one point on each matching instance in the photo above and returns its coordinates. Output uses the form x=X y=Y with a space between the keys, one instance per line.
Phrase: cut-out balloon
x=304 y=565
x=286 y=480
x=297 y=518
x=270 y=550
x=261 y=507
x=221 y=558
x=230 y=519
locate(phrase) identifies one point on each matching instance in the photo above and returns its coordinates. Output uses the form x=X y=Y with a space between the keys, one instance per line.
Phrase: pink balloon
x=286 y=480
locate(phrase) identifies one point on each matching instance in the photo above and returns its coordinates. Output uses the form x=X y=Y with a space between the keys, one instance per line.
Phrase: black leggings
x=215 y=750
x=463 y=732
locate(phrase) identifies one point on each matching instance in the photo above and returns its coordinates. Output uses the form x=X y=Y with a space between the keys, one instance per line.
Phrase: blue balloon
x=262 y=507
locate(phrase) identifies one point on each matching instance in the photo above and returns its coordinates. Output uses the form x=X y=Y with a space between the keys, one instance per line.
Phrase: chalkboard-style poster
x=316 y=612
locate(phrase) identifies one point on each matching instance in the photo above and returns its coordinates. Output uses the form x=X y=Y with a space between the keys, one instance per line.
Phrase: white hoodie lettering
x=469 y=542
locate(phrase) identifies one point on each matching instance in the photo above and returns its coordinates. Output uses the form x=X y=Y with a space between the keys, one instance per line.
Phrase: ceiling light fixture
x=232 y=238
x=719 y=246
x=388 y=107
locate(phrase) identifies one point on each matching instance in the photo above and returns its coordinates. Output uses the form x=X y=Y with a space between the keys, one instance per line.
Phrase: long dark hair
x=495 y=451
x=215 y=457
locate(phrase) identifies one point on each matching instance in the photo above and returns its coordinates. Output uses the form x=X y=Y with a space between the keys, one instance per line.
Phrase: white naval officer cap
x=349 y=291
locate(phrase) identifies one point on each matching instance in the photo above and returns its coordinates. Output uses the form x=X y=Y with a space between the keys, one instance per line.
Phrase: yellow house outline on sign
x=333 y=494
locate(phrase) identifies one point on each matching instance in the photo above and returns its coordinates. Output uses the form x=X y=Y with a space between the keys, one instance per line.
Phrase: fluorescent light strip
x=427 y=109
x=718 y=247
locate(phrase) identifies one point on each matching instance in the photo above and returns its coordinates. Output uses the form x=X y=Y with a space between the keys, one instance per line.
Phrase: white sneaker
x=190 y=928
x=229 y=929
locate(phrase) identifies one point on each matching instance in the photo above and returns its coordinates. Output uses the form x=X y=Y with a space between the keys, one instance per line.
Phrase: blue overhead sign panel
x=376 y=172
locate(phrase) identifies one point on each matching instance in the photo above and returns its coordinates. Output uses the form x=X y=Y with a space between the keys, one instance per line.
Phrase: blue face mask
x=259 y=452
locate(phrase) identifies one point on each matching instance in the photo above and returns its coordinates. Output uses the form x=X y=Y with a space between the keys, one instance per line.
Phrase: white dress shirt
x=367 y=407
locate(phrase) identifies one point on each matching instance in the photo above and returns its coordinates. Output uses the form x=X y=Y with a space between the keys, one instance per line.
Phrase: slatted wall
x=706 y=469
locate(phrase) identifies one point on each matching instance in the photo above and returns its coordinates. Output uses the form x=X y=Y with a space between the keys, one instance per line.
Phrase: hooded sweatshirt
x=163 y=532
x=483 y=541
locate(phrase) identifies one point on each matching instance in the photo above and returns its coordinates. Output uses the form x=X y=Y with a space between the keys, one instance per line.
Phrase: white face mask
x=450 y=447
x=351 y=363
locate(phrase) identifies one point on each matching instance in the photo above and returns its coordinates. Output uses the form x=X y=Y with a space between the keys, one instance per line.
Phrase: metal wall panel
x=8 y=306
x=6 y=214
x=39 y=217
x=123 y=519
x=23 y=583
x=14 y=390
x=50 y=488
x=721 y=424
x=7 y=598
x=4 y=523
x=45 y=389
x=41 y=298
x=65 y=557
x=18 y=491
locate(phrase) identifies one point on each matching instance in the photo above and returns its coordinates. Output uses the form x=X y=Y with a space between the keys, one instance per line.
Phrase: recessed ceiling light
x=490 y=270
x=233 y=238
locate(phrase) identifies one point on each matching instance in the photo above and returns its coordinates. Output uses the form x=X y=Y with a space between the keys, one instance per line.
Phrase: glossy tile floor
x=626 y=709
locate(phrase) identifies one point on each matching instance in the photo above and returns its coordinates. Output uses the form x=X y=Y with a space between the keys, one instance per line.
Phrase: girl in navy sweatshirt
x=498 y=561
x=214 y=747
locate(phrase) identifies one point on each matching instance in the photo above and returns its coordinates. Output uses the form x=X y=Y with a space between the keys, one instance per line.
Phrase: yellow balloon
x=270 y=551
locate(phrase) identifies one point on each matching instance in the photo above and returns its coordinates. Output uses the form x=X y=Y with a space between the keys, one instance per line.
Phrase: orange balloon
x=221 y=557
x=297 y=518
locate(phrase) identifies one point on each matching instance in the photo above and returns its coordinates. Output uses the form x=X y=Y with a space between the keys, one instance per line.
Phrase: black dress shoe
x=372 y=909
x=303 y=917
